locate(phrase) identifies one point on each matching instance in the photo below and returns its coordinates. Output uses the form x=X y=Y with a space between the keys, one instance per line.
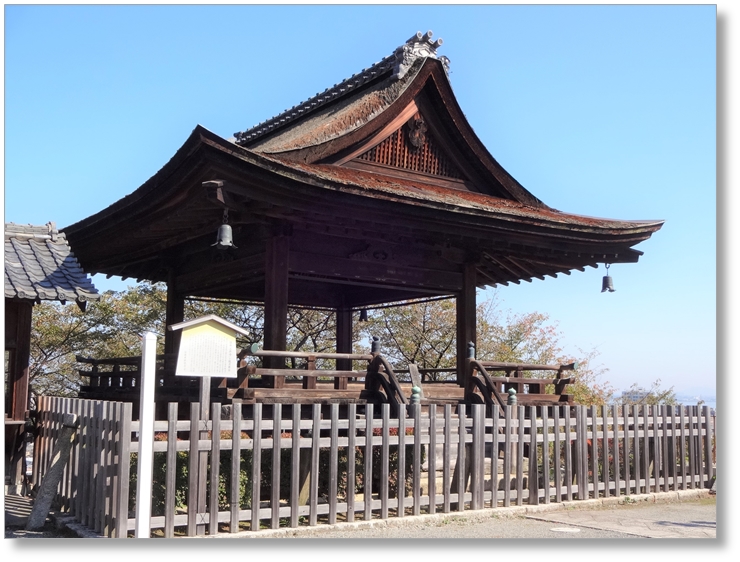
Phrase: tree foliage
x=422 y=333
x=114 y=326
x=111 y=327
x=653 y=396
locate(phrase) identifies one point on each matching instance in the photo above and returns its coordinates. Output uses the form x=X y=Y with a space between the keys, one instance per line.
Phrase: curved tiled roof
x=456 y=200
x=39 y=265
x=393 y=67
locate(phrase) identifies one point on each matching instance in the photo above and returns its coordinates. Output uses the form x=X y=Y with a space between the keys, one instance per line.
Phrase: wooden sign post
x=146 y=437
x=207 y=349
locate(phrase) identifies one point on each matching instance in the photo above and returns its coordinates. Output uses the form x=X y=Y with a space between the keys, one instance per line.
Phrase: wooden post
x=344 y=344
x=516 y=461
x=205 y=398
x=124 y=452
x=146 y=436
x=466 y=329
x=461 y=472
x=477 y=457
x=54 y=474
x=174 y=314
x=276 y=301
x=18 y=317
x=310 y=382
x=708 y=471
x=18 y=338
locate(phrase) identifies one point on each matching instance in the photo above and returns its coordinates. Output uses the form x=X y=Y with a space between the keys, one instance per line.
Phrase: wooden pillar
x=174 y=314
x=18 y=315
x=276 y=300
x=466 y=329
x=344 y=343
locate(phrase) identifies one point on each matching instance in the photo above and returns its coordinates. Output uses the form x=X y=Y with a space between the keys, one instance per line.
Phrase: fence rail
x=292 y=465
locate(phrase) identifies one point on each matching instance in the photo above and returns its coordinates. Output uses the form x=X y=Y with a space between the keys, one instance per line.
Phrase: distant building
x=634 y=395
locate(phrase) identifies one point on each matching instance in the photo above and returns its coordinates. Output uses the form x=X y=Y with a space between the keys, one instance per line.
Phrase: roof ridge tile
x=418 y=46
x=39 y=265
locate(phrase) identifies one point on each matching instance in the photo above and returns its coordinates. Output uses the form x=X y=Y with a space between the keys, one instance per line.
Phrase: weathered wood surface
x=499 y=366
x=121 y=382
x=599 y=452
x=256 y=351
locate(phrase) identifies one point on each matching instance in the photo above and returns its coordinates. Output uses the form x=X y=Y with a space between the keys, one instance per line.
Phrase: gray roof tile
x=39 y=265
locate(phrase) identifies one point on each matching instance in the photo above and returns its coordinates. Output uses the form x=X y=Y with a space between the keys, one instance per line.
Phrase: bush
x=286 y=466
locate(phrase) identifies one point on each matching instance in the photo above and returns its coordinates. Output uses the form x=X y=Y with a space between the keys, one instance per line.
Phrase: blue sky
x=606 y=111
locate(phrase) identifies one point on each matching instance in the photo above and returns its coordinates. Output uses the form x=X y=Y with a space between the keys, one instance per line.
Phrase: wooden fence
x=308 y=465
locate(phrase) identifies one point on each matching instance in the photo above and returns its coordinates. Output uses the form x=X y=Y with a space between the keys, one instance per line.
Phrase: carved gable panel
x=413 y=148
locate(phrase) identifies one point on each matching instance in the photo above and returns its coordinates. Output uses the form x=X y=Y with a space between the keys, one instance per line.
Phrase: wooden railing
x=118 y=373
x=118 y=379
x=529 y=391
x=277 y=468
x=378 y=377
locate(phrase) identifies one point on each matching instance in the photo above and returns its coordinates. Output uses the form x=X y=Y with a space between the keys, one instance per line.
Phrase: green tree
x=519 y=338
x=313 y=331
x=424 y=333
x=111 y=327
x=247 y=316
x=114 y=326
x=421 y=333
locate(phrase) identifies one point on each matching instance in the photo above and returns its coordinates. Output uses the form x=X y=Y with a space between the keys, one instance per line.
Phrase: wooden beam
x=277 y=253
x=503 y=273
x=508 y=268
x=490 y=279
x=344 y=343
x=222 y=274
x=380 y=135
x=376 y=272
x=466 y=325
x=518 y=263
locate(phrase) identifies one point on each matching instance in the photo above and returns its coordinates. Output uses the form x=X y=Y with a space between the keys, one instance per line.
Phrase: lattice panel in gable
x=412 y=148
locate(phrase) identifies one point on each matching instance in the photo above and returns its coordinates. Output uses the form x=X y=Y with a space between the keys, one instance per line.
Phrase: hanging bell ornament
x=224 y=239
x=607 y=284
x=363 y=315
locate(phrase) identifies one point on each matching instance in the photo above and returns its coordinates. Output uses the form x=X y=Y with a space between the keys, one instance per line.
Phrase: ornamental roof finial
x=418 y=46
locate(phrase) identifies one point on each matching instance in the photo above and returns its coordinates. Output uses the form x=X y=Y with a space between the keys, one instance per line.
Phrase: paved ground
x=696 y=519
x=690 y=514
x=18 y=508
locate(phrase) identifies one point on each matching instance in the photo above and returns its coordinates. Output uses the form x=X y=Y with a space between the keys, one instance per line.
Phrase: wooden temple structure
x=39 y=266
x=376 y=190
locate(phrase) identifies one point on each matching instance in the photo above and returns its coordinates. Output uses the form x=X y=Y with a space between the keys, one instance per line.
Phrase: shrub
x=286 y=466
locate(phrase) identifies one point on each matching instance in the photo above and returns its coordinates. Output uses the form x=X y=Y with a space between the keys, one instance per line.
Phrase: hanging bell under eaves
x=607 y=284
x=225 y=239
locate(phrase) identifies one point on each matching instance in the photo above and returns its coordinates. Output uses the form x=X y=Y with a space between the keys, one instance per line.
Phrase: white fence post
x=146 y=437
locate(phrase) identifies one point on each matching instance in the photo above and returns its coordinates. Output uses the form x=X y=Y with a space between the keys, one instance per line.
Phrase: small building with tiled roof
x=374 y=191
x=39 y=266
